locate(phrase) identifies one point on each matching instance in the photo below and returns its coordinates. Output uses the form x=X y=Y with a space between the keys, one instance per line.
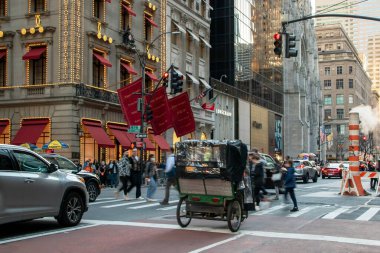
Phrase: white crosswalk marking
x=167 y=208
x=104 y=198
x=302 y=211
x=150 y=205
x=368 y=214
x=335 y=213
x=269 y=210
x=124 y=204
x=106 y=201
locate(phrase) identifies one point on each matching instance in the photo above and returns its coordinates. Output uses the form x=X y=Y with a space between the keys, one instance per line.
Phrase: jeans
x=113 y=179
x=292 y=195
x=170 y=181
x=151 y=188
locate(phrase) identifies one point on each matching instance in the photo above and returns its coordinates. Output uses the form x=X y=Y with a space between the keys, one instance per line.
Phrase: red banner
x=210 y=107
x=128 y=101
x=182 y=115
x=162 y=120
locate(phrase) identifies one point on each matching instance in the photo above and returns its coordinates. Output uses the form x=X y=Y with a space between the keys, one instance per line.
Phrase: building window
x=98 y=70
x=338 y=46
x=339 y=84
x=37 y=6
x=124 y=77
x=327 y=71
x=327 y=100
x=202 y=52
x=189 y=43
x=125 y=17
x=191 y=4
x=350 y=70
x=339 y=113
x=3 y=68
x=327 y=114
x=350 y=99
x=98 y=9
x=340 y=99
x=3 y=8
x=351 y=83
x=203 y=9
x=327 y=84
x=341 y=129
x=339 y=70
x=176 y=38
x=37 y=69
x=328 y=129
x=148 y=28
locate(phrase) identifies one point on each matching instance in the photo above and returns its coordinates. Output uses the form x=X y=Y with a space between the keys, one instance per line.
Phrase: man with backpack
x=170 y=176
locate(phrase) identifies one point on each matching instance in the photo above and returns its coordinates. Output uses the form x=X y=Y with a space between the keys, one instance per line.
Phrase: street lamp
x=130 y=40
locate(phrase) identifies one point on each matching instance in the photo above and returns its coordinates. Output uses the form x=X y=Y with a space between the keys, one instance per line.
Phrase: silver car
x=305 y=171
x=31 y=187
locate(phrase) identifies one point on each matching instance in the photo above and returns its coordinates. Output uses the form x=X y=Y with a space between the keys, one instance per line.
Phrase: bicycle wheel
x=182 y=220
x=234 y=216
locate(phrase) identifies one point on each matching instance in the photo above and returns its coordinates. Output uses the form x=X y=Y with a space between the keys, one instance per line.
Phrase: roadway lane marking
x=295 y=236
x=104 y=198
x=106 y=201
x=332 y=215
x=269 y=210
x=368 y=214
x=167 y=208
x=20 y=238
x=302 y=211
x=124 y=204
x=217 y=244
x=150 y=205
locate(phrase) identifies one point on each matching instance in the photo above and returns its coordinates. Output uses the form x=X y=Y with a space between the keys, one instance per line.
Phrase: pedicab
x=211 y=182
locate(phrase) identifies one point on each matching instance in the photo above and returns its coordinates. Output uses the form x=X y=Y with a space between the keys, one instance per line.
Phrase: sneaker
x=257 y=208
x=126 y=198
x=140 y=197
x=151 y=200
x=164 y=203
x=295 y=209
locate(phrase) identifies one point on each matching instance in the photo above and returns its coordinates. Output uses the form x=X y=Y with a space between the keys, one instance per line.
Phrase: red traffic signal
x=165 y=75
x=165 y=78
x=277 y=44
x=364 y=138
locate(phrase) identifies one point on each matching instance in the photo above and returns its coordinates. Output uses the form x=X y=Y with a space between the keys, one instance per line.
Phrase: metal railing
x=82 y=90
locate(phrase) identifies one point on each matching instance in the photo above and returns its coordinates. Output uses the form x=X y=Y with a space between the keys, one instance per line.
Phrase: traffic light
x=364 y=138
x=165 y=79
x=277 y=44
x=176 y=82
x=148 y=113
x=290 y=44
x=128 y=38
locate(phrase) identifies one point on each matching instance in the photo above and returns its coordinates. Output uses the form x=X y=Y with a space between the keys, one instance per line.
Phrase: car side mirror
x=53 y=167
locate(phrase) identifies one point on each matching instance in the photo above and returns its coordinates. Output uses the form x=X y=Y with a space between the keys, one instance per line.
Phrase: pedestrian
x=124 y=174
x=290 y=184
x=103 y=174
x=113 y=173
x=257 y=177
x=170 y=175
x=151 y=176
x=136 y=174
x=372 y=168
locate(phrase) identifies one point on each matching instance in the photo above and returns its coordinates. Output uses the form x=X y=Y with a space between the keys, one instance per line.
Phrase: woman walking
x=124 y=174
x=151 y=176
x=290 y=184
x=257 y=174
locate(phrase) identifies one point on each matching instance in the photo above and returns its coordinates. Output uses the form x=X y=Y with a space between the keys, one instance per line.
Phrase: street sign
x=134 y=129
x=141 y=135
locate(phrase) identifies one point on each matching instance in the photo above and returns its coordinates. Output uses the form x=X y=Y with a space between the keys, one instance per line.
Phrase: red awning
x=151 y=21
x=149 y=145
x=30 y=131
x=98 y=133
x=128 y=68
x=161 y=142
x=2 y=54
x=34 y=53
x=102 y=60
x=120 y=132
x=152 y=76
x=3 y=124
x=108 y=1
x=130 y=11
x=132 y=137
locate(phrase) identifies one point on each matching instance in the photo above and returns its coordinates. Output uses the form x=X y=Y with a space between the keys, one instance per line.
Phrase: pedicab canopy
x=225 y=159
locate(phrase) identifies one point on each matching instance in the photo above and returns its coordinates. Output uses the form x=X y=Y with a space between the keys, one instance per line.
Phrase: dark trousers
x=373 y=183
x=124 y=184
x=292 y=195
x=169 y=182
x=256 y=194
x=136 y=181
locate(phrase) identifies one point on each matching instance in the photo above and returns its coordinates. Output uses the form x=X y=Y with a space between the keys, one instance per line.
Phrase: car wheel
x=72 y=209
x=306 y=178
x=315 y=178
x=92 y=191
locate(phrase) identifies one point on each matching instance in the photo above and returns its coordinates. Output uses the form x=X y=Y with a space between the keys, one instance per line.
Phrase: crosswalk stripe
x=269 y=210
x=104 y=198
x=124 y=204
x=368 y=214
x=167 y=208
x=332 y=215
x=302 y=211
x=150 y=205
x=106 y=201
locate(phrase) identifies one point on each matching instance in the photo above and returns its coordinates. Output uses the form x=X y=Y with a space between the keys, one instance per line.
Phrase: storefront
x=224 y=117
x=34 y=131
x=5 y=131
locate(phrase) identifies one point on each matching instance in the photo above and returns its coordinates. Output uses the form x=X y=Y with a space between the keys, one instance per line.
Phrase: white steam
x=369 y=118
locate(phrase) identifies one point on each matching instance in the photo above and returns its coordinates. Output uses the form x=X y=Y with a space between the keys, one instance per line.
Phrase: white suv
x=31 y=188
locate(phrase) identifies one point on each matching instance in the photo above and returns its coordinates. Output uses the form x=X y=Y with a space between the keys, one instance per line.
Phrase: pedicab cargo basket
x=210 y=182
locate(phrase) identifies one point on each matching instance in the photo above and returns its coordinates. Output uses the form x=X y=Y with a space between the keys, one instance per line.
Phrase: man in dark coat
x=257 y=174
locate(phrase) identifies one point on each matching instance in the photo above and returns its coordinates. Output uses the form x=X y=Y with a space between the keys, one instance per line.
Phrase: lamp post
x=142 y=60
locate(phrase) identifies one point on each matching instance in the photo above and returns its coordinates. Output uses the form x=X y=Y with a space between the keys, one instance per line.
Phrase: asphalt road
x=326 y=222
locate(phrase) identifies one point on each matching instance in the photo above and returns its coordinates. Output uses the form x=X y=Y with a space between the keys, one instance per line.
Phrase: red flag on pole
x=182 y=115
x=128 y=101
x=162 y=120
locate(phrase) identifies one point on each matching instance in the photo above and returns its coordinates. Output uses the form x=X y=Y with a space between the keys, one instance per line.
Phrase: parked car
x=333 y=170
x=305 y=171
x=31 y=187
x=270 y=167
x=91 y=180
x=317 y=167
